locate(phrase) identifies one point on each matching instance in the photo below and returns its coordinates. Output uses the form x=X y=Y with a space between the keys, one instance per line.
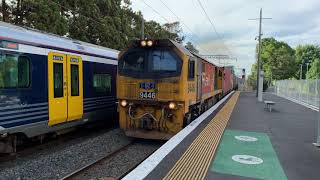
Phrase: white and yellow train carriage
x=50 y=83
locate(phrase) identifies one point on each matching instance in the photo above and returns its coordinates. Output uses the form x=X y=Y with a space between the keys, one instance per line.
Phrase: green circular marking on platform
x=269 y=167
x=247 y=159
x=246 y=138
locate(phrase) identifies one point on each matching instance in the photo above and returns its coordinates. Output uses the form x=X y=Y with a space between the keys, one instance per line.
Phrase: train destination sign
x=57 y=58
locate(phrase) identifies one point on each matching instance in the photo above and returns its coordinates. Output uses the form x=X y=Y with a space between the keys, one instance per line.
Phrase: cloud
x=293 y=21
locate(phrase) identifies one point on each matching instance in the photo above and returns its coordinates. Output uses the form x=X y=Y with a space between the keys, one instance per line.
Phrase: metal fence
x=303 y=91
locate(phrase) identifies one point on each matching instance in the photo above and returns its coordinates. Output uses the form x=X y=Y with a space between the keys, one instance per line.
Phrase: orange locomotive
x=162 y=87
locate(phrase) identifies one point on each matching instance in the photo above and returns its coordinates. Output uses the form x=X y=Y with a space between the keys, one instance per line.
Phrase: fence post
x=317 y=143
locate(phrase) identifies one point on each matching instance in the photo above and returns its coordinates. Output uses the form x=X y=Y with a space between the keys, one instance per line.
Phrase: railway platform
x=239 y=138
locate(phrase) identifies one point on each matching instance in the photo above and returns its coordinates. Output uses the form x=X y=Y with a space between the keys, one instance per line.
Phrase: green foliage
x=191 y=48
x=308 y=54
x=277 y=61
x=314 y=71
x=109 y=23
x=252 y=78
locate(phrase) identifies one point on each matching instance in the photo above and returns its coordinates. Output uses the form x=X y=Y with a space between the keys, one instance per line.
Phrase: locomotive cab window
x=191 y=69
x=163 y=61
x=102 y=83
x=134 y=61
x=14 y=71
x=150 y=63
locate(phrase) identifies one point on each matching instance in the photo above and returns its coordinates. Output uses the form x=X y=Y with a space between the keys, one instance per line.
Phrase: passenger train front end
x=151 y=88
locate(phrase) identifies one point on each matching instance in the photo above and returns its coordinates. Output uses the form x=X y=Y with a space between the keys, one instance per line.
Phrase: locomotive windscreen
x=150 y=63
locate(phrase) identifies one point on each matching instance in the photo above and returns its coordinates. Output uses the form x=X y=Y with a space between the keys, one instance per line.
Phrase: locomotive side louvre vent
x=167 y=91
x=131 y=90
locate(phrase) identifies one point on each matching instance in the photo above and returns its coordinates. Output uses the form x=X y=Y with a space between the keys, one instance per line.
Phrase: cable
x=214 y=28
x=182 y=22
x=156 y=11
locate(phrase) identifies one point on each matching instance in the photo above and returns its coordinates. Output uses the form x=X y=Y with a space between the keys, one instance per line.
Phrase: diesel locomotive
x=162 y=87
x=50 y=83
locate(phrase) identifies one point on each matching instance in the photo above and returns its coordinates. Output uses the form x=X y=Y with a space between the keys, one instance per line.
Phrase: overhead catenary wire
x=157 y=12
x=194 y=34
x=214 y=28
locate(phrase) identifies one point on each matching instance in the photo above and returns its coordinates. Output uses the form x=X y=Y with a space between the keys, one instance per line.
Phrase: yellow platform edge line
x=195 y=161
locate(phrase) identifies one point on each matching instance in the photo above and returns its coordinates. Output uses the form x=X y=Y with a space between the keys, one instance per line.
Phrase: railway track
x=90 y=168
x=31 y=147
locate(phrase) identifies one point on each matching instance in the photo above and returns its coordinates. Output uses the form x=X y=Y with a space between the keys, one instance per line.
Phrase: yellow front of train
x=151 y=89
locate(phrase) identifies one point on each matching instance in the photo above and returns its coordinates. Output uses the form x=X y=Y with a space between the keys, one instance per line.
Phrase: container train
x=162 y=87
x=50 y=83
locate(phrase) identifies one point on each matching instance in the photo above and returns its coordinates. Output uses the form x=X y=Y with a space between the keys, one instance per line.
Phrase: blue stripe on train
x=19 y=123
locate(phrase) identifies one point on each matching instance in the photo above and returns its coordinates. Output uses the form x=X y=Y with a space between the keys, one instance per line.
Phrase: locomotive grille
x=131 y=91
x=167 y=91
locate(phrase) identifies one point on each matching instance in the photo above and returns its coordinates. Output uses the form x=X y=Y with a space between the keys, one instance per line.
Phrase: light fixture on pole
x=259 y=49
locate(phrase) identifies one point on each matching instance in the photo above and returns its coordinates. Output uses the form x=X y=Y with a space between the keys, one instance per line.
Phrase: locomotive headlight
x=123 y=103
x=149 y=43
x=172 y=105
x=143 y=43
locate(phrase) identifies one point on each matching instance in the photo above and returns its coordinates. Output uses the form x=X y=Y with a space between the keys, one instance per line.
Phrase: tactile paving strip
x=195 y=161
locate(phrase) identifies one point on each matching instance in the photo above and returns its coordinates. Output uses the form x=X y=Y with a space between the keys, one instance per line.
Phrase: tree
x=307 y=54
x=252 y=78
x=109 y=23
x=175 y=31
x=191 y=48
x=5 y=11
x=39 y=14
x=314 y=71
x=278 y=60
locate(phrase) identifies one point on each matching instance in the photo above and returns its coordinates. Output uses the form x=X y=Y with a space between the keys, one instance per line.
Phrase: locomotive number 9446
x=147 y=95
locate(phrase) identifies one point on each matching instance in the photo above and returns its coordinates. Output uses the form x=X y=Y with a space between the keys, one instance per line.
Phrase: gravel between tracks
x=60 y=160
x=122 y=162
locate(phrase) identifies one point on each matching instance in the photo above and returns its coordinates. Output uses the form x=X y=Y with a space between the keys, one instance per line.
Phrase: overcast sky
x=293 y=21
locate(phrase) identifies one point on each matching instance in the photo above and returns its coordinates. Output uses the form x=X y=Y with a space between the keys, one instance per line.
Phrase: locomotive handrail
x=135 y=118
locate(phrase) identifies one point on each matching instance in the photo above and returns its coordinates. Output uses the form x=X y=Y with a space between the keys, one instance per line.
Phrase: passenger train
x=162 y=87
x=50 y=83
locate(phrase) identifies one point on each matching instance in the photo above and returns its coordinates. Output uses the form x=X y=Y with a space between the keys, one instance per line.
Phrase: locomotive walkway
x=241 y=139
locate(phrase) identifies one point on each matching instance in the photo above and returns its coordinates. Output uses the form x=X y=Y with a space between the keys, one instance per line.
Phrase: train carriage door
x=75 y=87
x=199 y=80
x=57 y=88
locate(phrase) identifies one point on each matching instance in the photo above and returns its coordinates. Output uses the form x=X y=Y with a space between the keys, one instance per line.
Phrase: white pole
x=260 y=92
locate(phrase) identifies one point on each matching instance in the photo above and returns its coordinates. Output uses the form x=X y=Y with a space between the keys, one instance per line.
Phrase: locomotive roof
x=38 y=38
x=189 y=53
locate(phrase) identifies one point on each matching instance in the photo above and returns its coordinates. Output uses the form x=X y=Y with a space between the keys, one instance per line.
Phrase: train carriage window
x=23 y=72
x=191 y=68
x=14 y=71
x=102 y=83
x=74 y=80
x=58 y=79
